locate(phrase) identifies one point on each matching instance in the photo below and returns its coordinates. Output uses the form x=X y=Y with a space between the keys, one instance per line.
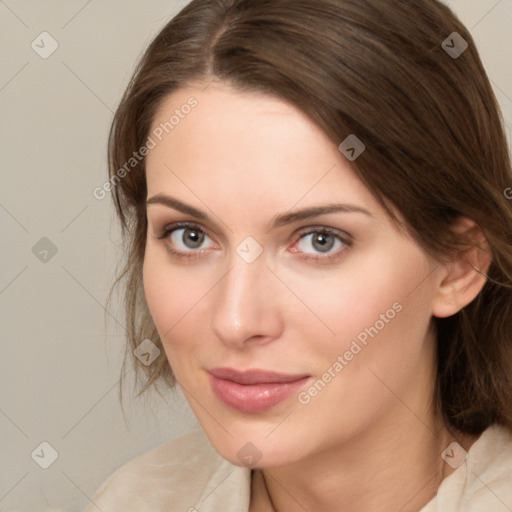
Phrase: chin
x=253 y=445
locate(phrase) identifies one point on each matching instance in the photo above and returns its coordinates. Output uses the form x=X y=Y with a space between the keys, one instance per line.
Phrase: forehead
x=246 y=151
x=229 y=125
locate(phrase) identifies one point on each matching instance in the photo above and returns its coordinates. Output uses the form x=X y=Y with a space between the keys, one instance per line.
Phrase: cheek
x=161 y=292
x=338 y=304
x=375 y=301
x=175 y=297
x=384 y=305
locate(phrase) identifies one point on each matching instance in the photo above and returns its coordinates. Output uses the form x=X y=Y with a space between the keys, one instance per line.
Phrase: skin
x=370 y=440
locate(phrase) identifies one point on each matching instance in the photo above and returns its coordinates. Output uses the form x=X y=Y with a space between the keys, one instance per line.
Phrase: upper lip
x=254 y=376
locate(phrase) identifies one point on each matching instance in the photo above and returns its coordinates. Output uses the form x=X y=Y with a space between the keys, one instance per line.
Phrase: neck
x=395 y=467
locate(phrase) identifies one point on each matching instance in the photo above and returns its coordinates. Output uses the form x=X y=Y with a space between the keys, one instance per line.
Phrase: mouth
x=254 y=390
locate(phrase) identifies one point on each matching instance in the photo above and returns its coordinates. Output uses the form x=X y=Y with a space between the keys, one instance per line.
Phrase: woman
x=319 y=252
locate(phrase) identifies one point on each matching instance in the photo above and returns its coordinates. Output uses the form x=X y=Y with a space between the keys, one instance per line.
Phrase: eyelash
x=168 y=230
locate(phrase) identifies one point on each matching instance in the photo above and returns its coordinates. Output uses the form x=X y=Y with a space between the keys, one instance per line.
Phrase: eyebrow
x=277 y=221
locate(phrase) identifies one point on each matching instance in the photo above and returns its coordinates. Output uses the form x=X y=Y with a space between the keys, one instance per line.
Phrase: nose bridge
x=244 y=304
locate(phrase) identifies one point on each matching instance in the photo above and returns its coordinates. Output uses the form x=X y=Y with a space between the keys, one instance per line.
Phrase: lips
x=255 y=390
x=250 y=377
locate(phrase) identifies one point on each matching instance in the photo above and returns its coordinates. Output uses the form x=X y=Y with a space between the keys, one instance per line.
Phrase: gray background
x=60 y=363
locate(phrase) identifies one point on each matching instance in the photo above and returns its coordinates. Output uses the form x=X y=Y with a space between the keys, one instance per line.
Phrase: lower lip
x=256 y=397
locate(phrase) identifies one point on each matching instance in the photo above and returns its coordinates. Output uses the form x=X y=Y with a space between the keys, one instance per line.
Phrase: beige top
x=187 y=475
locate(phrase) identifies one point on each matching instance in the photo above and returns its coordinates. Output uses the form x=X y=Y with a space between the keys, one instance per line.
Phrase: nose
x=245 y=305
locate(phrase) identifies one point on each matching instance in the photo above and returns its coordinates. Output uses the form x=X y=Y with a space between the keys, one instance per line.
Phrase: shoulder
x=490 y=472
x=483 y=482
x=173 y=476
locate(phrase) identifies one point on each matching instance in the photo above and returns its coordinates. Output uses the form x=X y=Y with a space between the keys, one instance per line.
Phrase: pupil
x=324 y=243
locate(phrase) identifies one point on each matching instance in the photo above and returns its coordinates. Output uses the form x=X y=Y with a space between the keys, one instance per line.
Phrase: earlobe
x=465 y=276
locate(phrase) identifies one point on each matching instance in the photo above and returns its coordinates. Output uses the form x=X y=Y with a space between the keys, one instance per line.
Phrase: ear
x=465 y=275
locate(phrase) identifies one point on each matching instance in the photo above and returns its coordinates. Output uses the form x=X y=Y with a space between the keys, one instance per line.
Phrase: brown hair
x=435 y=150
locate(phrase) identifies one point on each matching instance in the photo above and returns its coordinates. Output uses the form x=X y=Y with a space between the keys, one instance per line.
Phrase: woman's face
x=238 y=275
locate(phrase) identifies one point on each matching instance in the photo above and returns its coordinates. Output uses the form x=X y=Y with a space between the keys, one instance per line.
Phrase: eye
x=185 y=239
x=188 y=240
x=322 y=243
